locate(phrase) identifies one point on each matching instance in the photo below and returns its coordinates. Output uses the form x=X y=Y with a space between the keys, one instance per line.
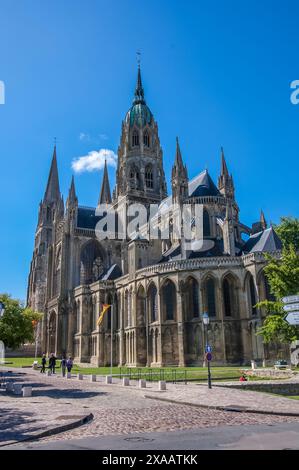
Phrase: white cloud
x=95 y=160
x=83 y=136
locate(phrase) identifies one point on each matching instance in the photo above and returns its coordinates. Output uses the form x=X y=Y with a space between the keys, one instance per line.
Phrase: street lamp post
x=206 y=321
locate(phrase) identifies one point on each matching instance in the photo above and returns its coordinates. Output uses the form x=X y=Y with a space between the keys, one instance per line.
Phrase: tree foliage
x=288 y=231
x=18 y=323
x=283 y=278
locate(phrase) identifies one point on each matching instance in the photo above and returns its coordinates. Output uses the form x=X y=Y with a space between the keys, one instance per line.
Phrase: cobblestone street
x=125 y=410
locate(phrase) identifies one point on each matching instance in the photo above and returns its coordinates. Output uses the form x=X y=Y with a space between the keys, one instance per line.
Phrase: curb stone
x=226 y=408
x=51 y=431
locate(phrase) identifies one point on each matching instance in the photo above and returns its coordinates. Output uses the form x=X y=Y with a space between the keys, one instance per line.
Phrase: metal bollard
x=126 y=381
x=68 y=375
x=93 y=378
x=108 y=379
x=80 y=376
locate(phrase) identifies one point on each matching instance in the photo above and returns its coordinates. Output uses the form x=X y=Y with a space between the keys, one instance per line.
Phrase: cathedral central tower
x=140 y=174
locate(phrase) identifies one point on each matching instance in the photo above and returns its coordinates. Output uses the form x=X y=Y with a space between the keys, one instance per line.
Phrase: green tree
x=283 y=278
x=288 y=231
x=18 y=323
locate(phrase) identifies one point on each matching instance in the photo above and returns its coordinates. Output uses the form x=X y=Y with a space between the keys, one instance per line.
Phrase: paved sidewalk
x=122 y=410
x=222 y=396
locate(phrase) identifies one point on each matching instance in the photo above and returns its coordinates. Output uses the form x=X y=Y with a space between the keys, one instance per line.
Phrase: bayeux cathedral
x=159 y=288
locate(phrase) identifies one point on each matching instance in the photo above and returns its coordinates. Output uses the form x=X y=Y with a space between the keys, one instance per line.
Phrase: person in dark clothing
x=52 y=363
x=44 y=363
x=63 y=365
x=69 y=364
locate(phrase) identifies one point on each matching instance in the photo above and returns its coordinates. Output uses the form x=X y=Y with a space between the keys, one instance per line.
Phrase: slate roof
x=203 y=185
x=112 y=273
x=266 y=241
x=87 y=218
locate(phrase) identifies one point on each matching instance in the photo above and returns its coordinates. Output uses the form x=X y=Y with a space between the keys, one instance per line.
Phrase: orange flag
x=105 y=308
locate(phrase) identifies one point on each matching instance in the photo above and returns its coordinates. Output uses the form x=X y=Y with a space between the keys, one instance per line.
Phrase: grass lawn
x=167 y=373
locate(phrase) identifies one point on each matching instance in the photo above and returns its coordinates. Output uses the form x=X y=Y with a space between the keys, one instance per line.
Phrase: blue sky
x=215 y=74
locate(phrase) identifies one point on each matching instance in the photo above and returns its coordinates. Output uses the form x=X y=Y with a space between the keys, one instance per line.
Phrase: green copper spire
x=139 y=92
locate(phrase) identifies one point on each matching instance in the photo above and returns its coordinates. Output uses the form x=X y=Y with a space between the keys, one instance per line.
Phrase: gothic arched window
x=146 y=139
x=135 y=139
x=206 y=224
x=149 y=181
x=226 y=289
x=252 y=292
x=193 y=297
x=210 y=296
x=108 y=314
x=153 y=300
x=169 y=298
x=134 y=177
x=268 y=294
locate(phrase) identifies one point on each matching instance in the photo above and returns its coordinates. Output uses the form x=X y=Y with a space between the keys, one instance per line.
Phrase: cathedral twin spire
x=225 y=180
x=52 y=193
x=105 y=194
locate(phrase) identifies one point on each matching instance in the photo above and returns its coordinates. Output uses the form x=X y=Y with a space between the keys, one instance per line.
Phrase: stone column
x=71 y=332
x=220 y=310
x=159 y=353
x=180 y=329
x=134 y=324
x=121 y=330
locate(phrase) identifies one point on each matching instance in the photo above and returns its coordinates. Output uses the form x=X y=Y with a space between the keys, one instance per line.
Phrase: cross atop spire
x=139 y=92
x=105 y=195
x=52 y=193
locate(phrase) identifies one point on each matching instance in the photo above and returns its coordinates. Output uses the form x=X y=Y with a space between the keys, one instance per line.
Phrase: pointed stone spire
x=225 y=181
x=72 y=197
x=105 y=196
x=224 y=170
x=179 y=176
x=178 y=161
x=263 y=220
x=139 y=92
x=52 y=193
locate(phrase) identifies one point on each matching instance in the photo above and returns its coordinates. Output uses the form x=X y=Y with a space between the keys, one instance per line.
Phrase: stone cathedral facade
x=159 y=289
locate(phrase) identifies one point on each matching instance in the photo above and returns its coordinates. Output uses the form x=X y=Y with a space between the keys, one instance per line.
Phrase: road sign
x=291 y=299
x=291 y=307
x=209 y=355
x=293 y=318
x=208 y=348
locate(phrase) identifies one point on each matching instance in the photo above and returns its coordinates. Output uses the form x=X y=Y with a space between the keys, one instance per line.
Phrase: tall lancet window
x=135 y=139
x=149 y=181
x=146 y=139
x=206 y=224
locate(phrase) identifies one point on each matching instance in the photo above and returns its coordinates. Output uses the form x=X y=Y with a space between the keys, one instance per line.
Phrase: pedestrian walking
x=63 y=365
x=52 y=363
x=44 y=363
x=69 y=364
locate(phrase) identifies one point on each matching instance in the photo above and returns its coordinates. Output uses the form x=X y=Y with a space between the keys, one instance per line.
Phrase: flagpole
x=111 y=346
